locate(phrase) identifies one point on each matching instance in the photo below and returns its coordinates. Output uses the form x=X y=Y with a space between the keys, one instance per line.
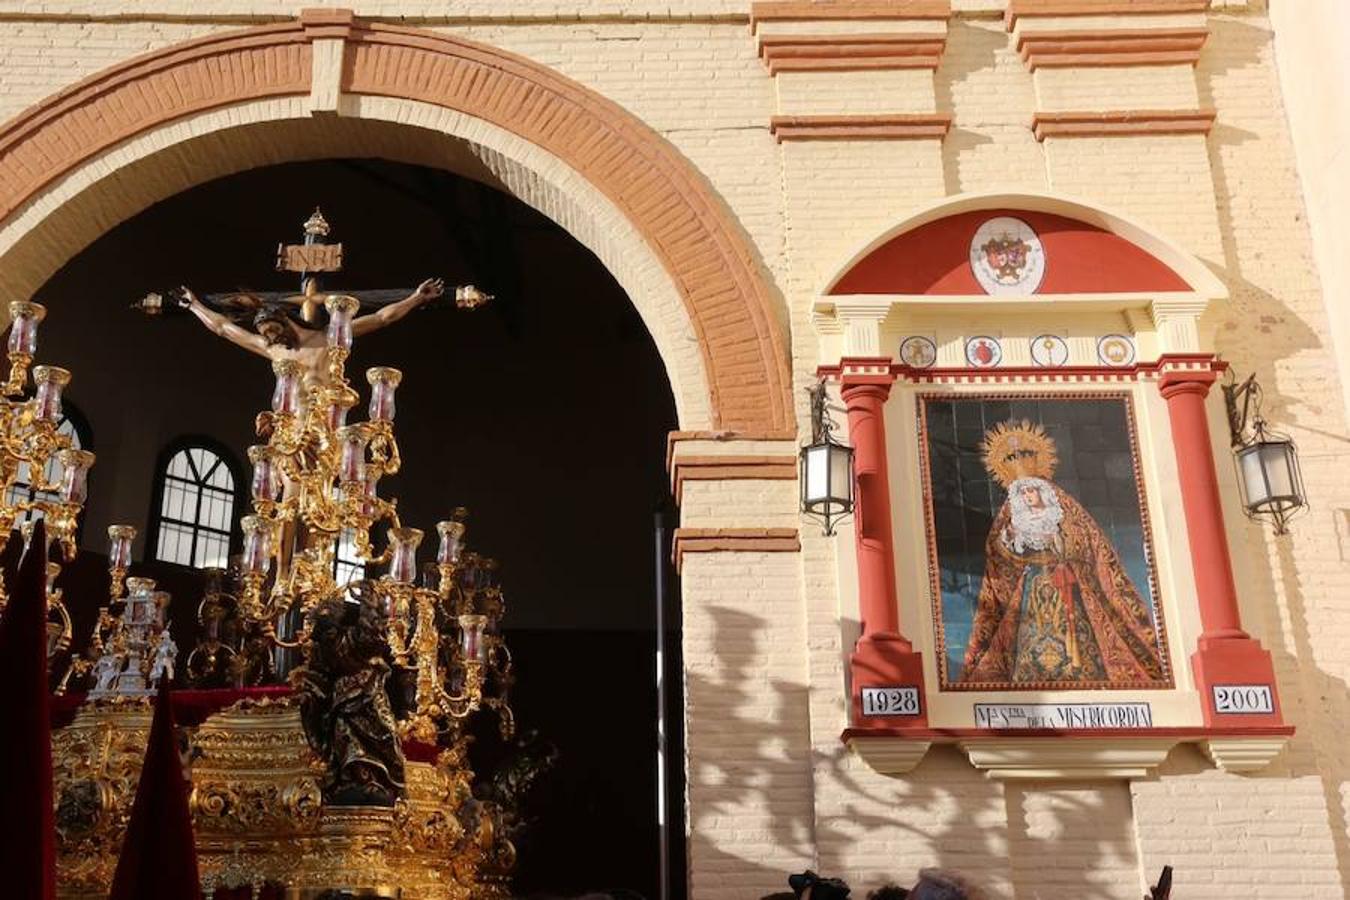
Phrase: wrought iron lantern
x=826 y=471
x=1267 y=461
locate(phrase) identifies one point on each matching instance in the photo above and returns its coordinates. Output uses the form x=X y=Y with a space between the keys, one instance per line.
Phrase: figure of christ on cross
x=278 y=336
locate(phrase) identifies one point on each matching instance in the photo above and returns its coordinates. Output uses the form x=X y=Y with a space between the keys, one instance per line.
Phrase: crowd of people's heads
x=933 y=884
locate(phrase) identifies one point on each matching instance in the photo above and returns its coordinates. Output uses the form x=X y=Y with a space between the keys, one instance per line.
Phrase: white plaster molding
x=860 y=320
x=1068 y=758
x=1177 y=320
x=889 y=755
x=1243 y=754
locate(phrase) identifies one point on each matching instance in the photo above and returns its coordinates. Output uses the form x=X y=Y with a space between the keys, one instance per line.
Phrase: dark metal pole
x=662 y=745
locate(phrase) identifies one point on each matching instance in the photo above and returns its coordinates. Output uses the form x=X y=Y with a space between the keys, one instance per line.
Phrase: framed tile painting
x=1038 y=544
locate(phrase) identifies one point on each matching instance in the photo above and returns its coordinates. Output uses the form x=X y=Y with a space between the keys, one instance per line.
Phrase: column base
x=889 y=665
x=1236 y=680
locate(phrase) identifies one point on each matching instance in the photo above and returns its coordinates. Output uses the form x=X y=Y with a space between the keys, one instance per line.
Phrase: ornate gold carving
x=258 y=816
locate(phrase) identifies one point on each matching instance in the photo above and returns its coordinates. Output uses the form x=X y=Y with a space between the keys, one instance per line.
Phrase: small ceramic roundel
x=983 y=352
x=918 y=351
x=1115 y=350
x=1049 y=350
x=1007 y=257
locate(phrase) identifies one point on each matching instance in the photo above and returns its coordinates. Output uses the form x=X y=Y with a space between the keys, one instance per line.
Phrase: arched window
x=76 y=427
x=195 y=513
x=347 y=566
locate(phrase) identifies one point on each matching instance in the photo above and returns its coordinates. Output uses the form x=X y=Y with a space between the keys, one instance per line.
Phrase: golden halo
x=1014 y=450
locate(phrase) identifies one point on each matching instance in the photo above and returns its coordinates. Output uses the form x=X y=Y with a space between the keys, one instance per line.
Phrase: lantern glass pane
x=1254 y=486
x=841 y=477
x=817 y=474
x=1275 y=461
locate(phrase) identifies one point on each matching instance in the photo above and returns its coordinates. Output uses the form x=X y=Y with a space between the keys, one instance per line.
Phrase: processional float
x=356 y=778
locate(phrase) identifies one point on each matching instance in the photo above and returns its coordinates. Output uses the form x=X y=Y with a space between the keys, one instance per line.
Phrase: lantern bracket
x=1243 y=403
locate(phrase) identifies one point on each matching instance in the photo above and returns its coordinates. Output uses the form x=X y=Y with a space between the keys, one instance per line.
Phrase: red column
x=1226 y=656
x=883 y=657
x=872 y=508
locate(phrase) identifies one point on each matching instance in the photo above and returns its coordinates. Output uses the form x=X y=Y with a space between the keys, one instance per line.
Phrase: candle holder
x=24 y=320
x=31 y=441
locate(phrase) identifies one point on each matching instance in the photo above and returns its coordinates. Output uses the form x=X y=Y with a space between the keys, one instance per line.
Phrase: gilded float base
x=258 y=815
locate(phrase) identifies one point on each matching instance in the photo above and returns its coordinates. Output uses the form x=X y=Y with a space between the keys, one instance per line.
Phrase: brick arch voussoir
x=662 y=195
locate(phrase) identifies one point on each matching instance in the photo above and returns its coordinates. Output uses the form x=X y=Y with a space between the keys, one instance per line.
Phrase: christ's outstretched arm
x=388 y=315
x=222 y=326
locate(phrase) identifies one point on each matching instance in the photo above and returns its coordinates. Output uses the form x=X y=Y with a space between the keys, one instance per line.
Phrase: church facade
x=1025 y=244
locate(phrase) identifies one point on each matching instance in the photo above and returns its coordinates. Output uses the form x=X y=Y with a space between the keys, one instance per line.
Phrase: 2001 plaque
x=1243 y=699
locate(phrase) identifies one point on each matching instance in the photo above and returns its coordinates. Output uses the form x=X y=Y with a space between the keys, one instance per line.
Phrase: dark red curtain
x=28 y=849
x=159 y=858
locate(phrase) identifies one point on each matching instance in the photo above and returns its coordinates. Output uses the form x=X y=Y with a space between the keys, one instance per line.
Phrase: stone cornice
x=846 y=10
x=892 y=127
x=1018 y=9
x=686 y=467
x=850 y=52
x=1114 y=47
x=730 y=540
x=1122 y=122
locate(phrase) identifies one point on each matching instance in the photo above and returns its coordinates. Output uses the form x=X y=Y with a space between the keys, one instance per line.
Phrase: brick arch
x=695 y=240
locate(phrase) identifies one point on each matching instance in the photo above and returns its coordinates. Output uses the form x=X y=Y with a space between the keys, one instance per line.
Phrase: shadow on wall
x=754 y=769
x=970 y=49
x=1013 y=839
x=1023 y=840
x=1266 y=334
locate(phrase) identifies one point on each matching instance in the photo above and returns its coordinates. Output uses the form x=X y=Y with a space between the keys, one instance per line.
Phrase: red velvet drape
x=159 y=858
x=28 y=845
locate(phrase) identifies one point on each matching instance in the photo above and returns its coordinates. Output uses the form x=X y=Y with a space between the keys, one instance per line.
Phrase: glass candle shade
x=371 y=494
x=452 y=542
x=75 y=475
x=23 y=329
x=383 y=382
x=266 y=483
x=403 y=561
x=50 y=381
x=338 y=409
x=341 y=312
x=354 y=439
x=471 y=628
x=257 y=544
x=119 y=545
x=286 y=394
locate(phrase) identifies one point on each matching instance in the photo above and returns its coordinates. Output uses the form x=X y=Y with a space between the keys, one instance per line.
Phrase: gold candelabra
x=315 y=479
x=30 y=438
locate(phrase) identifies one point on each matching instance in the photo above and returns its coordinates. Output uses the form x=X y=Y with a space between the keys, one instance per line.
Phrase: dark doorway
x=545 y=413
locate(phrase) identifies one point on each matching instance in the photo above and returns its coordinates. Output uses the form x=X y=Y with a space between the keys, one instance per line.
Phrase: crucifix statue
x=288 y=326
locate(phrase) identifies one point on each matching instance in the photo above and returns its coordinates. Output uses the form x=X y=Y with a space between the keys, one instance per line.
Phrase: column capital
x=858 y=371
x=1186 y=381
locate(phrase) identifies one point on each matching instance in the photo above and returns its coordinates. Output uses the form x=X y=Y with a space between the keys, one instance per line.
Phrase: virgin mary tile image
x=1038 y=544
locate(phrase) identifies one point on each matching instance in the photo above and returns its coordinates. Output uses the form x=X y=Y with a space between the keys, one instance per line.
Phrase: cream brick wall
x=771 y=788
